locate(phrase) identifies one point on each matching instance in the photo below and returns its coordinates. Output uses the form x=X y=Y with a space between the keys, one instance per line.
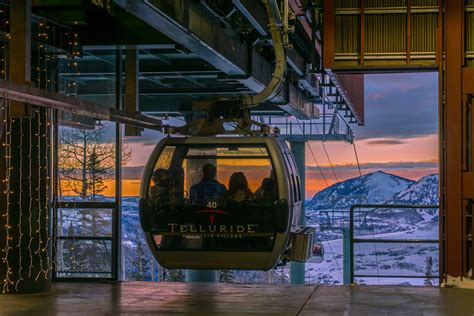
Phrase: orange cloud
x=385 y=141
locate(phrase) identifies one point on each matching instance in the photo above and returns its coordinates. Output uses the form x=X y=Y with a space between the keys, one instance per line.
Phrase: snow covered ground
x=379 y=259
x=328 y=209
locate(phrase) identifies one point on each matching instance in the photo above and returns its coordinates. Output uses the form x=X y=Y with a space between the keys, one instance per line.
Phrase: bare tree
x=86 y=161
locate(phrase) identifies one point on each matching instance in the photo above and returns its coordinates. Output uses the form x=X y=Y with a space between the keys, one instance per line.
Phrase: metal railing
x=353 y=240
x=106 y=241
x=332 y=127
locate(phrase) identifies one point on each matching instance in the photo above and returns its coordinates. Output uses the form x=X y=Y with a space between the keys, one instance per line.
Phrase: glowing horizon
x=314 y=180
x=400 y=137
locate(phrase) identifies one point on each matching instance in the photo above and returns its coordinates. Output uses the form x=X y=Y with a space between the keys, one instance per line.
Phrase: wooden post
x=362 y=33
x=131 y=88
x=20 y=51
x=452 y=140
x=329 y=35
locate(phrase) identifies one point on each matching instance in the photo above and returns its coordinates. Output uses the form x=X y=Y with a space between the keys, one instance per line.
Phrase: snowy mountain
x=329 y=209
x=372 y=188
x=422 y=192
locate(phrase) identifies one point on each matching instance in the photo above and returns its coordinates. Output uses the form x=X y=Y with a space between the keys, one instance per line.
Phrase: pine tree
x=69 y=249
x=97 y=174
x=226 y=276
x=428 y=271
x=175 y=275
x=140 y=263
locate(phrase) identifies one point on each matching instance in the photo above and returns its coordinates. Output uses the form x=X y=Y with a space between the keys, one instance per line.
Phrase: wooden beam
x=468 y=80
x=329 y=16
x=472 y=241
x=468 y=185
x=362 y=33
x=409 y=29
x=441 y=137
x=466 y=116
x=439 y=38
x=453 y=139
x=131 y=88
x=464 y=268
x=470 y=135
x=20 y=51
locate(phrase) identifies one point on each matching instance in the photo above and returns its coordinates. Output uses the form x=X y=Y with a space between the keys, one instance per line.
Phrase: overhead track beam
x=40 y=97
x=190 y=26
x=255 y=14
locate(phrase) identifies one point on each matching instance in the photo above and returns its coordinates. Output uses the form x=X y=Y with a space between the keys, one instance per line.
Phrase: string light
x=7 y=281
x=37 y=240
x=38 y=199
x=46 y=207
x=20 y=207
x=46 y=75
x=30 y=213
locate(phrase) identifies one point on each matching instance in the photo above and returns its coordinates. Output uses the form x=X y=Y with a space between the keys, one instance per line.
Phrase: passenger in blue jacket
x=208 y=189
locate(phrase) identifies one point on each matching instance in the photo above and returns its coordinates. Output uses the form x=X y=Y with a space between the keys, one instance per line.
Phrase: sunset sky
x=399 y=136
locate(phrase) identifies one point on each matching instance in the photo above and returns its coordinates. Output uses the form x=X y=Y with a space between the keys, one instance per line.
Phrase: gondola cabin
x=220 y=202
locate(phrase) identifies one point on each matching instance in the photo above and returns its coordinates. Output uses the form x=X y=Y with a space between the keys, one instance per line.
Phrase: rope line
x=327 y=156
x=317 y=164
x=357 y=157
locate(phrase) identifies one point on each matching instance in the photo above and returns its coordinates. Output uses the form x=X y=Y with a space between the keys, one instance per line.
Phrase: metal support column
x=117 y=218
x=346 y=263
x=201 y=276
x=297 y=269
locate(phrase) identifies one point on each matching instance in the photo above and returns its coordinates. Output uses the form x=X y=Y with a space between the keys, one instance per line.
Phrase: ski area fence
x=363 y=233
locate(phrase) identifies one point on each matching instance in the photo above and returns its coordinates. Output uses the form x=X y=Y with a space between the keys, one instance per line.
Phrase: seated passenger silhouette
x=208 y=189
x=238 y=189
x=176 y=174
x=267 y=191
x=160 y=191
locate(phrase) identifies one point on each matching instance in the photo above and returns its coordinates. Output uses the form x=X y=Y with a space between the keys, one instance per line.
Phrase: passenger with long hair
x=239 y=190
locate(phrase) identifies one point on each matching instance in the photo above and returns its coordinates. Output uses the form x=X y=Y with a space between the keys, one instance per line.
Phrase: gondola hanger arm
x=278 y=76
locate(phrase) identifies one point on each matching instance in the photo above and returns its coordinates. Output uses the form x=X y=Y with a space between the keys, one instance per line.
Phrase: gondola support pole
x=346 y=263
x=297 y=269
x=209 y=276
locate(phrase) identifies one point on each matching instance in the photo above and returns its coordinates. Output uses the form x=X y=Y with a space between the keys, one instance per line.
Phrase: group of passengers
x=210 y=190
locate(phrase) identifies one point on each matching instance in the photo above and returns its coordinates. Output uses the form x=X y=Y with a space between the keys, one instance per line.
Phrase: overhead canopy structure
x=212 y=51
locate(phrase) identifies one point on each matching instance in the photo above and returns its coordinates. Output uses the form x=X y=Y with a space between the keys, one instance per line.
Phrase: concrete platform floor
x=137 y=298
